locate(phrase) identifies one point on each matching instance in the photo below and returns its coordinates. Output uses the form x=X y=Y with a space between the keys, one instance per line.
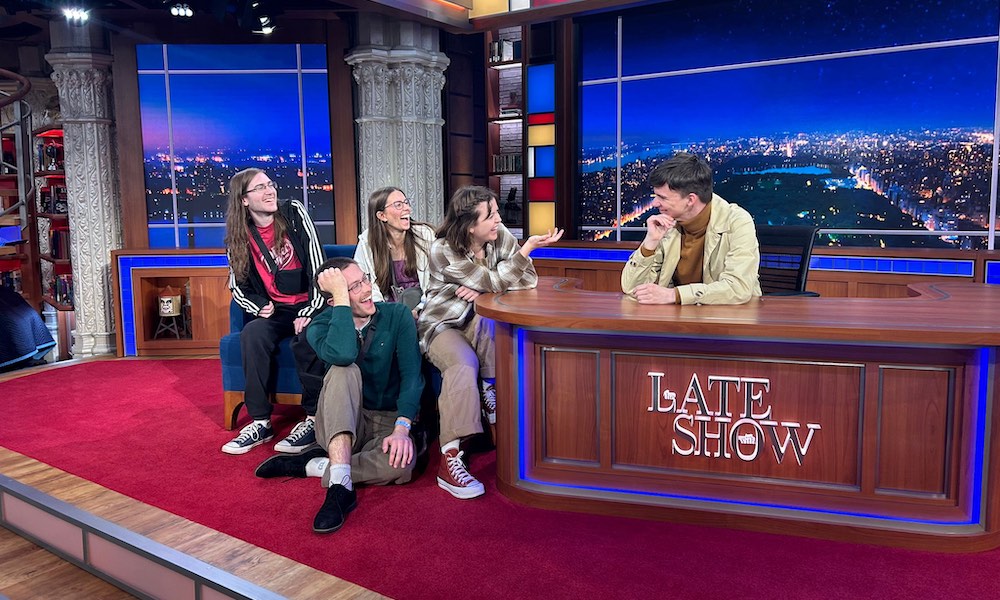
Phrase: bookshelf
x=52 y=214
x=505 y=138
x=18 y=262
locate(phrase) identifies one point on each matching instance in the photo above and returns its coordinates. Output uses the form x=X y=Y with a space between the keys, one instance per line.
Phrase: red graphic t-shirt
x=285 y=259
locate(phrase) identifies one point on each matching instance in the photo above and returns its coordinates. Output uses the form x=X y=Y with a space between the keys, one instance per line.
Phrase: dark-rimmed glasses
x=399 y=204
x=263 y=186
x=353 y=288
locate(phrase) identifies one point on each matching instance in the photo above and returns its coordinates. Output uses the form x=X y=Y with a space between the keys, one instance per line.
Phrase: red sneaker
x=453 y=477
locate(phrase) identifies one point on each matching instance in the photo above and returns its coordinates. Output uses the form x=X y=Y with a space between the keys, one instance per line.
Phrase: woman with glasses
x=273 y=254
x=473 y=254
x=393 y=250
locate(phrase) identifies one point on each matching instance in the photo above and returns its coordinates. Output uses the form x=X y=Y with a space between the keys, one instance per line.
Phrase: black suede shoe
x=332 y=515
x=288 y=465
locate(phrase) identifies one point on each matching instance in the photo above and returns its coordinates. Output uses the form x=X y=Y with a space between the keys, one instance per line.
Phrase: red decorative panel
x=542 y=188
x=541 y=119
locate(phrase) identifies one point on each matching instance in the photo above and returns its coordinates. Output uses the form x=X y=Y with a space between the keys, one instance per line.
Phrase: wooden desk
x=860 y=419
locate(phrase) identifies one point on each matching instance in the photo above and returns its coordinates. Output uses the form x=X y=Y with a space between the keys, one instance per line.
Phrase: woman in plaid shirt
x=473 y=254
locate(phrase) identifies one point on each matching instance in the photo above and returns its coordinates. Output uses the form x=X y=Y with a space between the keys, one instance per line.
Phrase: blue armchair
x=284 y=377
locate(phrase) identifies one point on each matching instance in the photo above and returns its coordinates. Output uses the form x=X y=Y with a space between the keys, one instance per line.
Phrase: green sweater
x=390 y=368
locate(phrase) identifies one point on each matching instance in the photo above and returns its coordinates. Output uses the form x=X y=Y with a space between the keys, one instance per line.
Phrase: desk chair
x=785 y=251
x=284 y=376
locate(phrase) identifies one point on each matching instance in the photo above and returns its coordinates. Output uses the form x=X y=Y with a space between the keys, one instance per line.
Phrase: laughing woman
x=474 y=254
x=393 y=250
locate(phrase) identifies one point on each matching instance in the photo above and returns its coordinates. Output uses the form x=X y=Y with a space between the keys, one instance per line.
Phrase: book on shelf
x=11 y=280
x=55 y=200
x=507 y=163
x=59 y=243
x=62 y=289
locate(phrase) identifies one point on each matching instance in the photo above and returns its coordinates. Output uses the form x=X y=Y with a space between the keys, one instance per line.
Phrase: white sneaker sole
x=289 y=449
x=238 y=450
x=463 y=493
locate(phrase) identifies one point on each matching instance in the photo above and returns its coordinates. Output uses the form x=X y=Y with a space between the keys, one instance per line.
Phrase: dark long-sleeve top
x=503 y=269
x=390 y=368
x=250 y=293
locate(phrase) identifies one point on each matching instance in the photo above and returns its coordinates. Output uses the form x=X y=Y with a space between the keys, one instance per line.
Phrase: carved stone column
x=83 y=79
x=400 y=74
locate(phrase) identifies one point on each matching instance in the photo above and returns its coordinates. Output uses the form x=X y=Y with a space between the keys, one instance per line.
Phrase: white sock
x=317 y=466
x=341 y=473
x=264 y=422
x=452 y=445
x=310 y=418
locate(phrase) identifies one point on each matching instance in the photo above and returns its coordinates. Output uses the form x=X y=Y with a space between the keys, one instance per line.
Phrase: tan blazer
x=732 y=259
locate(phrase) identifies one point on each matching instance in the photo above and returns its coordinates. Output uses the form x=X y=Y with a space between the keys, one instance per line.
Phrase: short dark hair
x=684 y=173
x=337 y=262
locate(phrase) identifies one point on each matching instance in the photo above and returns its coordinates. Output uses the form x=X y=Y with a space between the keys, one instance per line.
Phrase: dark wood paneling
x=598 y=280
x=569 y=405
x=345 y=170
x=914 y=436
x=128 y=133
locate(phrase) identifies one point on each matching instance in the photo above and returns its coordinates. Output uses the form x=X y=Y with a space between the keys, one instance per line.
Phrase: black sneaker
x=251 y=436
x=302 y=438
x=281 y=465
x=339 y=502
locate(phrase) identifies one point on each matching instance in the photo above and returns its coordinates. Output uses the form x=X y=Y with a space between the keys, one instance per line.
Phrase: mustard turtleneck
x=689 y=267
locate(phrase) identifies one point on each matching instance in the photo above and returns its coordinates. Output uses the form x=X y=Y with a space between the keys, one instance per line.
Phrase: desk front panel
x=869 y=435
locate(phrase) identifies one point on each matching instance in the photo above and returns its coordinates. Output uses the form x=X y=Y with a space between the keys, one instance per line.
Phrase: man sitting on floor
x=371 y=393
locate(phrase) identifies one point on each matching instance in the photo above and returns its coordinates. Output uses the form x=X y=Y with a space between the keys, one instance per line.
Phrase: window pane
x=316 y=109
x=598 y=176
x=687 y=35
x=149 y=56
x=598 y=47
x=156 y=150
x=313 y=56
x=245 y=57
x=812 y=143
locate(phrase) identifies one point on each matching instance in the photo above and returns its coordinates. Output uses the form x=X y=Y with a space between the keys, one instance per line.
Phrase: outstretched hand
x=538 y=241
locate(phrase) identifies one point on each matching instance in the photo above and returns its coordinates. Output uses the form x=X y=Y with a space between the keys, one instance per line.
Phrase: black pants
x=258 y=345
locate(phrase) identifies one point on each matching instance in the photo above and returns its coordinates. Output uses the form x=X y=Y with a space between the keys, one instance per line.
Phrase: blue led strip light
x=915 y=266
x=993 y=271
x=598 y=254
x=977 y=441
x=125 y=265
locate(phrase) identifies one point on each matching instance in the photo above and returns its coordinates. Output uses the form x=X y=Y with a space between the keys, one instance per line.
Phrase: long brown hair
x=239 y=221
x=379 y=238
x=462 y=214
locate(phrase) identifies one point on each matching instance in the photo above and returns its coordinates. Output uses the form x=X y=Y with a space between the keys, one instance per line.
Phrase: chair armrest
x=238 y=318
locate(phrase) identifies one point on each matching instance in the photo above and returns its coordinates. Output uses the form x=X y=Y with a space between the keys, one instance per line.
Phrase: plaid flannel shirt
x=504 y=269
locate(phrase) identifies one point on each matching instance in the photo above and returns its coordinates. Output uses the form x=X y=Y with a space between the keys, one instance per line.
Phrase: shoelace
x=301 y=430
x=490 y=399
x=250 y=432
x=457 y=469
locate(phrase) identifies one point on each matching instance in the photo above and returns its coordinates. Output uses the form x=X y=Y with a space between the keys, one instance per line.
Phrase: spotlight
x=181 y=10
x=76 y=15
x=266 y=30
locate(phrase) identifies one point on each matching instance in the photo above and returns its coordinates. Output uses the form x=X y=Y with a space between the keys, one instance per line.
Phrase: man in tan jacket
x=699 y=249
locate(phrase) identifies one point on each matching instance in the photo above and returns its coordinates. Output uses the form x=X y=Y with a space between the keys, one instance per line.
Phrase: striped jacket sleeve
x=248 y=301
x=313 y=260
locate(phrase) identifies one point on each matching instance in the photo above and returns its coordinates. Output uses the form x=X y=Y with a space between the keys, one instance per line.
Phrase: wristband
x=403 y=422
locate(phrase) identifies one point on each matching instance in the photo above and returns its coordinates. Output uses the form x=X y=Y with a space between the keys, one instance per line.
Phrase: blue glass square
x=542 y=88
x=545 y=161
x=149 y=57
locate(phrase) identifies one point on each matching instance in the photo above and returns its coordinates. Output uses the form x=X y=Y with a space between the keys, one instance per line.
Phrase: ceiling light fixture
x=181 y=10
x=75 y=15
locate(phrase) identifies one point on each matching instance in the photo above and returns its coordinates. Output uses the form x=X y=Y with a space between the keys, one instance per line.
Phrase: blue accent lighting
x=542 y=89
x=545 y=161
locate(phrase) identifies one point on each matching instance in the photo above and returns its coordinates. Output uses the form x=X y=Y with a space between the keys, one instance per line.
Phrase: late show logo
x=740 y=425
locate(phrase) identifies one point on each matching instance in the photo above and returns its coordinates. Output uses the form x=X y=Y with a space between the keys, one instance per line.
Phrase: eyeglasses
x=365 y=279
x=399 y=204
x=263 y=186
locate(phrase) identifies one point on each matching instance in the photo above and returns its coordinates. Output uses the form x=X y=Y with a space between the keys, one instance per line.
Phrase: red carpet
x=152 y=430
